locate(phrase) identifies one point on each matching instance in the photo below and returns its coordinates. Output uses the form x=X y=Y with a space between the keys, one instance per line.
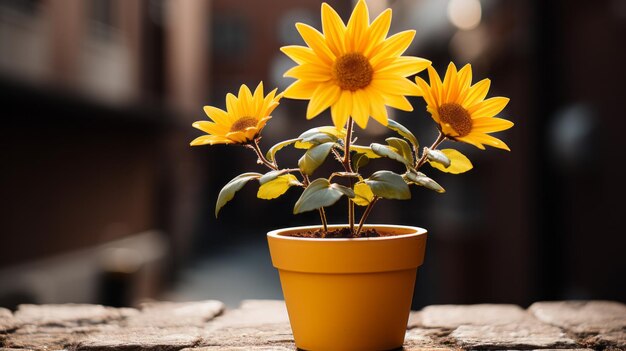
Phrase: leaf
x=458 y=162
x=403 y=131
x=364 y=150
x=271 y=153
x=338 y=134
x=388 y=185
x=402 y=147
x=420 y=178
x=363 y=195
x=314 y=157
x=271 y=175
x=360 y=160
x=387 y=151
x=277 y=186
x=437 y=156
x=320 y=193
x=228 y=191
x=319 y=138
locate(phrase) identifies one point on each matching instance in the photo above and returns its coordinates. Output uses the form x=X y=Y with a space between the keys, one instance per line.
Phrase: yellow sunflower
x=460 y=108
x=354 y=69
x=243 y=120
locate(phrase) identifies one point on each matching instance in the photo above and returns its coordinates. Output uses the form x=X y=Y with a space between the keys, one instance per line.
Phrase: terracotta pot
x=348 y=294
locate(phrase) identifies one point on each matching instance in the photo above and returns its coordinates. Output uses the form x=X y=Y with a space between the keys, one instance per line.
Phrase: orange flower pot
x=348 y=294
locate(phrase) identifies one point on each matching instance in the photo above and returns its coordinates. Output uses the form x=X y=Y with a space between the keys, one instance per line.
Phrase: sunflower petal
x=450 y=83
x=301 y=90
x=210 y=127
x=324 y=96
x=436 y=85
x=464 y=82
x=301 y=54
x=490 y=125
x=378 y=31
x=426 y=92
x=210 y=140
x=404 y=66
x=245 y=100
x=378 y=111
x=489 y=107
x=309 y=72
x=217 y=114
x=392 y=47
x=398 y=101
x=232 y=106
x=395 y=85
x=340 y=110
x=356 y=31
x=469 y=139
x=237 y=136
x=477 y=93
x=334 y=29
x=491 y=141
x=360 y=108
x=315 y=40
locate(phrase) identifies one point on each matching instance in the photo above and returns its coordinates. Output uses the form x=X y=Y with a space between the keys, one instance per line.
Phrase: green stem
x=324 y=220
x=255 y=146
x=348 y=167
x=368 y=209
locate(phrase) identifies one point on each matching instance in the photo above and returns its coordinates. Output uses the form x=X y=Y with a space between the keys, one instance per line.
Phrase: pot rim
x=418 y=232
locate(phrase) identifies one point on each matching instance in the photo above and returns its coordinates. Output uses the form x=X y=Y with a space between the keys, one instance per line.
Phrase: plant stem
x=348 y=167
x=368 y=209
x=440 y=139
x=324 y=220
x=255 y=146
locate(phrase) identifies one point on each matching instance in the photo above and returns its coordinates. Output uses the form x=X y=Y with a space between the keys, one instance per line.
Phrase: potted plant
x=349 y=286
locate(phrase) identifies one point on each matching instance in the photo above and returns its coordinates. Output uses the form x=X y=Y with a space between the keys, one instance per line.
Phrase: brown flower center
x=352 y=72
x=457 y=117
x=242 y=123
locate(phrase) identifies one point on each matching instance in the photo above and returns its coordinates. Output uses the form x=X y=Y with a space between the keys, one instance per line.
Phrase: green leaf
x=314 y=157
x=420 y=178
x=360 y=160
x=437 y=156
x=364 y=150
x=363 y=195
x=458 y=162
x=320 y=193
x=390 y=152
x=403 y=131
x=271 y=175
x=271 y=153
x=277 y=186
x=228 y=191
x=330 y=130
x=388 y=185
x=402 y=147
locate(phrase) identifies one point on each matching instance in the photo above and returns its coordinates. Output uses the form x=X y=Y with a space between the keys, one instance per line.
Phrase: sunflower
x=460 y=108
x=243 y=120
x=354 y=69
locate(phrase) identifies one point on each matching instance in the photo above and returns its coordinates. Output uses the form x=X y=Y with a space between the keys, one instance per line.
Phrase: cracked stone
x=453 y=316
x=582 y=316
x=172 y=314
x=7 y=322
x=522 y=335
x=70 y=314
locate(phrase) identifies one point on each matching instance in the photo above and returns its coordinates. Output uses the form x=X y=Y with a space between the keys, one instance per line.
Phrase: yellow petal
x=395 y=85
x=218 y=115
x=378 y=111
x=356 y=31
x=469 y=139
x=436 y=86
x=489 y=107
x=315 y=40
x=392 y=47
x=426 y=92
x=232 y=106
x=268 y=103
x=378 y=32
x=324 y=96
x=301 y=54
x=341 y=109
x=360 y=108
x=301 y=90
x=245 y=100
x=398 y=101
x=238 y=136
x=210 y=127
x=405 y=66
x=334 y=30
x=449 y=83
x=477 y=93
x=491 y=141
x=490 y=125
x=210 y=140
x=257 y=100
x=464 y=82
x=309 y=72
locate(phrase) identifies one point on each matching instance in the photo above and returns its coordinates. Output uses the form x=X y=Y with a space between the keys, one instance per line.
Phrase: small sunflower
x=243 y=120
x=354 y=69
x=460 y=108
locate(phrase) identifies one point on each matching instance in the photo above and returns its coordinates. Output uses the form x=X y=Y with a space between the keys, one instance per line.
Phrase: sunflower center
x=457 y=117
x=352 y=72
x=242 y=123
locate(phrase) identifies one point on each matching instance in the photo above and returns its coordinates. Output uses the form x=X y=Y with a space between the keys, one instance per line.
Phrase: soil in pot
x=341 y=233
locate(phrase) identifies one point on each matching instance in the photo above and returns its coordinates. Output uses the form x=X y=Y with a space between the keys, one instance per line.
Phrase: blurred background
x=103 y=201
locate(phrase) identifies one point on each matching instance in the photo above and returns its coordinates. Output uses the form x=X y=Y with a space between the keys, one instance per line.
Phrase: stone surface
x=582 y=316
x=264 y=325
x=511 y=336
x=453 y=316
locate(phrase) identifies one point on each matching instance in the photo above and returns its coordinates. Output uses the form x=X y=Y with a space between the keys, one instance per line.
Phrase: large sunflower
x=460 y=108
x=243 y=120
x=355 y=69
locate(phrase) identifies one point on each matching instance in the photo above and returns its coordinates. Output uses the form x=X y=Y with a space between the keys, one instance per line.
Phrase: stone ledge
x=264 y=325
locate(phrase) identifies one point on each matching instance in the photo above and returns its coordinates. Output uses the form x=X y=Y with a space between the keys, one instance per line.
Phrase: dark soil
x=338 y=234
